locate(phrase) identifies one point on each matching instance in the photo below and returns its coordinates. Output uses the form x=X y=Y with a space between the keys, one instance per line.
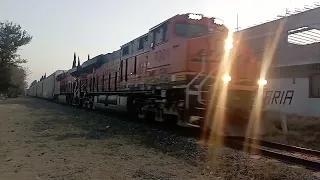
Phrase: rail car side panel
x=34 y=90
x=48 y=87
x=57 y=90
x=39 y=89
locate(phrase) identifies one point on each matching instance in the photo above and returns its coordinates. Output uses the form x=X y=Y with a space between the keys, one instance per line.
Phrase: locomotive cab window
x=190 y=30
x=160 y=34
x=142 y=42
x=125 y=50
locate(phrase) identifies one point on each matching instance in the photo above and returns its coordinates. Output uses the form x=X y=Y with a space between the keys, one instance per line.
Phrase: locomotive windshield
x=190 y=30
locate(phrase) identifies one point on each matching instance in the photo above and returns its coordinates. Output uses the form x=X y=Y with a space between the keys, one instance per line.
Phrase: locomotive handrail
x=202 y=83
x=188 y=87
x=193 y=80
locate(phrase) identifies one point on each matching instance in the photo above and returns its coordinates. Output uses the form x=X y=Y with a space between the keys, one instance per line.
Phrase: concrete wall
x=291 y=95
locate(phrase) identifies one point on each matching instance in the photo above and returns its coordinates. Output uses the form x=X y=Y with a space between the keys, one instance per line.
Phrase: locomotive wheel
x=93 y=106
x=88 y=104
x=133 y=109
x=84 y=103
x=170 y=119
x=150 y=115
x=80 y=102
x=206 y=125
x=158 y=115
x=141 y=114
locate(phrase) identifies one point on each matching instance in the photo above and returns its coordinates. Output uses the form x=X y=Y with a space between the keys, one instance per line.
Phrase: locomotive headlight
x=226 y=78
x=262 y=82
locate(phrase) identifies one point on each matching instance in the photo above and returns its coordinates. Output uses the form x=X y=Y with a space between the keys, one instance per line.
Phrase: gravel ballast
x=45 y=140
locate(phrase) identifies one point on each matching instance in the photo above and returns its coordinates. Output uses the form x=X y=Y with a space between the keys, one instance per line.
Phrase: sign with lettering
x=278 y=97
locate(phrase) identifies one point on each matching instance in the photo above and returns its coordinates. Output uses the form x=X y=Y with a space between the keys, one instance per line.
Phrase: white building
x=292 y=43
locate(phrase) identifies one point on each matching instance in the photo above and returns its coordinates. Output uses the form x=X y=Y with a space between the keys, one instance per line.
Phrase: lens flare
x=229 y=43
x=226 y=78
x=262 y=82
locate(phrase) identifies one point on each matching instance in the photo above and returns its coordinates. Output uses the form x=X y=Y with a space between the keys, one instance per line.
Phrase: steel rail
x=261 y=146
x=279 y=146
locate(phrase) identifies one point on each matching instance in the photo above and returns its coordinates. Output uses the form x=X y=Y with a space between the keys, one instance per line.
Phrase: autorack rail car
x=169 y=74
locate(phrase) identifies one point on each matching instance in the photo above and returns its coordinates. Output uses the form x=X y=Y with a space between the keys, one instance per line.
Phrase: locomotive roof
x=92 y=61
x=132 y=41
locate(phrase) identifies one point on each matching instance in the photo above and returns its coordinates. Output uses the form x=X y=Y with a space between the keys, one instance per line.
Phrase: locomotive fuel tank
x=113 y=102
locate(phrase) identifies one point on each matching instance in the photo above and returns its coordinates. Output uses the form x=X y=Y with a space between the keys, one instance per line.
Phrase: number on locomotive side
x=162 y=55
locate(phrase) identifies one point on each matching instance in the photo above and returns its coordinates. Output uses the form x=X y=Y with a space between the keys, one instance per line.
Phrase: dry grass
x=302 y=131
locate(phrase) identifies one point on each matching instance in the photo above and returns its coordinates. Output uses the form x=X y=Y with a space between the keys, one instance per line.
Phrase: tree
x=11 y=38
x=74 y=60
x=18 y=80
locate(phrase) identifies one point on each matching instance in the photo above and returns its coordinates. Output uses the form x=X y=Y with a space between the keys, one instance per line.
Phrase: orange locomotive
x=167 y=74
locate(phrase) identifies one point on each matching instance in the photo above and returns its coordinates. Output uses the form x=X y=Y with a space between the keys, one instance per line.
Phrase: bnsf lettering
x=279 y=97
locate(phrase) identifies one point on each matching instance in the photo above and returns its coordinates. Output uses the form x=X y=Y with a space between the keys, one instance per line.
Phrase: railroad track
x=308 y=158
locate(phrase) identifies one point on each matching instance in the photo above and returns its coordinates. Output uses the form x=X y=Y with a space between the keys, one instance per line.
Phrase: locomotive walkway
x=45 y=140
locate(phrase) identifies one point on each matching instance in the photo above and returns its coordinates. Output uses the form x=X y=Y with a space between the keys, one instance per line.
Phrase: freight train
x=182 y=71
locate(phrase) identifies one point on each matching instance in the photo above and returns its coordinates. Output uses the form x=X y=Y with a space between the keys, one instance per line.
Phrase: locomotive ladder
x=188 y=92
x=199 y=87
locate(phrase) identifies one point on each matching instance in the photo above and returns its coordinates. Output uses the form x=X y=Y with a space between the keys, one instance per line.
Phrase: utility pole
x=237 y=22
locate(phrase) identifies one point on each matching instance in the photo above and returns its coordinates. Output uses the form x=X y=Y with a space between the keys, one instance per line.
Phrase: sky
x=62 y=27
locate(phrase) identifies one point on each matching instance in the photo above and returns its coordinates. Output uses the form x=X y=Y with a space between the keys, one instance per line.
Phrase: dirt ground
x=43 y=140
x=36 y=144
